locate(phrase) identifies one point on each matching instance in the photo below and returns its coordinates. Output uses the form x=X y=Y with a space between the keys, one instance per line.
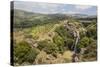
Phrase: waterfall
x=76 y=41
x=72 y=28
x=75 y=57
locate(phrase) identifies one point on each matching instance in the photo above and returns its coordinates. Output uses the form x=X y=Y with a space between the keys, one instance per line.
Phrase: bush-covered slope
x=48 y=39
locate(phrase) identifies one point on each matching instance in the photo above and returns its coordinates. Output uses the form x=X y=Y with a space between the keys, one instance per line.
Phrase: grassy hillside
x=49 y=38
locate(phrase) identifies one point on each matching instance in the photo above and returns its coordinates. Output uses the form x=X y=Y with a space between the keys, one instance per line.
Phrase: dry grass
x=67 y=55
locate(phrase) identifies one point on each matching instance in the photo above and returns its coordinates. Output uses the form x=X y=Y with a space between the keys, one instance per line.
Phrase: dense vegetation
x=45 y=39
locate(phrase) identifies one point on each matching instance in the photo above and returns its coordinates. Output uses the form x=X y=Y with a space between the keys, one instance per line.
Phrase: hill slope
x=42 y=39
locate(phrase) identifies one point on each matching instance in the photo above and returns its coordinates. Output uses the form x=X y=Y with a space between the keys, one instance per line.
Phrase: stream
x=75 y=32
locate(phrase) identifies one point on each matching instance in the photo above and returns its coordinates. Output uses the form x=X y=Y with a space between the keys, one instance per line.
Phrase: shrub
x=84 y=42
x=92 y=31
x=48 y=47
x=31 y=55
x=63 y=37
x=42 y=44
x=62 y=31
x=51 y=48
x=24 y=53
x=59 y=41
x=91 y=52
x=19 y=51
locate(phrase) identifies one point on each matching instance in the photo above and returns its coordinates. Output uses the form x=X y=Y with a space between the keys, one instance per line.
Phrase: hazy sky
x=55 y=8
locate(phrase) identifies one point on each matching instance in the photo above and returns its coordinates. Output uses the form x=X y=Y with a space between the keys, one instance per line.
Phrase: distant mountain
x=29 y=19
x=26 y=14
